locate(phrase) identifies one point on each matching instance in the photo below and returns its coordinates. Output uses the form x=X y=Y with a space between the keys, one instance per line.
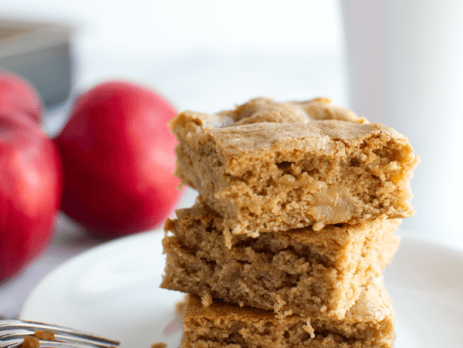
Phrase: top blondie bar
x=269 y=166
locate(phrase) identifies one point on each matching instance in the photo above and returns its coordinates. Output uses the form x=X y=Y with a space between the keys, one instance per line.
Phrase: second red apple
x=118 y=159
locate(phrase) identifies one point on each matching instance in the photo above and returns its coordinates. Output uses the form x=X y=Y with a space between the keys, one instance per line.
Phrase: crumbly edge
x=292 y=189
x=302 y=271
x=246 y=328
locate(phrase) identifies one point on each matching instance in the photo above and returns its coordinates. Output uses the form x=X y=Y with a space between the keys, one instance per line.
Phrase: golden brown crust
x=267 y=110
x=320 y=138
x=323 y=109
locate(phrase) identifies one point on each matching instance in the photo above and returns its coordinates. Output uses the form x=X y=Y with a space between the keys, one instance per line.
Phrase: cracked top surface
x=267 y=110
x=315 y=126
x=327 y=138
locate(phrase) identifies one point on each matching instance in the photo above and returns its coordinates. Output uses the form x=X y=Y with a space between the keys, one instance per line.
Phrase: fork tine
x=33 y=326
x=13 y=343
x=54 y=344
x=59 y=339
x=15 y=334
x=13 y=331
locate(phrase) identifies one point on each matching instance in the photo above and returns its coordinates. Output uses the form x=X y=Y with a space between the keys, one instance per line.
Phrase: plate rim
x=93 y=250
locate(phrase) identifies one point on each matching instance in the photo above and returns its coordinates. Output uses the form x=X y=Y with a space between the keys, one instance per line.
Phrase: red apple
x=118 y=159
x=30 y=191
x=18 y=95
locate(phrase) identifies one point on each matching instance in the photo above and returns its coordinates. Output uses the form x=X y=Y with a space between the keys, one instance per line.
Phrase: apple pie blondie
x=298 y=271
x=269 y=166
x=368 y=324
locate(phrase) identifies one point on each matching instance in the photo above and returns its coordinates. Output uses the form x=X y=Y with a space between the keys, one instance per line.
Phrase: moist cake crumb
x=30 y=342
x=309 y=329
x=45 y=335
x=297 y=271
x=206 y=300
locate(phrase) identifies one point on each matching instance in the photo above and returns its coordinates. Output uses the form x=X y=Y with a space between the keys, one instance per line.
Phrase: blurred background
x=394 y=63
x=205 y=55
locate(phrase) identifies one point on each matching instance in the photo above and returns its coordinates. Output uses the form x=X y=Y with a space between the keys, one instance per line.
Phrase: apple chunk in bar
x=268 y=166
x=298 y=271
x=368 y=324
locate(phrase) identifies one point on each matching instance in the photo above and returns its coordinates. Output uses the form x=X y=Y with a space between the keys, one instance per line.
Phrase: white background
x=166 y=28
x=117 y=38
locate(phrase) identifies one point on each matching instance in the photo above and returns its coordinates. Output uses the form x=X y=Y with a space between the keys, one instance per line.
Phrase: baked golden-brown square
x=297 y=271
x=269 y=166
x=368 y=324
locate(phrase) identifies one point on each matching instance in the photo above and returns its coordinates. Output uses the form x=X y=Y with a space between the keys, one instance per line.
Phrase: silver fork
x=12 y=333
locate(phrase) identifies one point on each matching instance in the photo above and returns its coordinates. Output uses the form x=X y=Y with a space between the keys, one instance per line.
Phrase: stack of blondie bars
x=294 y=224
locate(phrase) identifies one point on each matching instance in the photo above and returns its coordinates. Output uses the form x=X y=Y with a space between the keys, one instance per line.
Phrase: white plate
x=113 y=290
